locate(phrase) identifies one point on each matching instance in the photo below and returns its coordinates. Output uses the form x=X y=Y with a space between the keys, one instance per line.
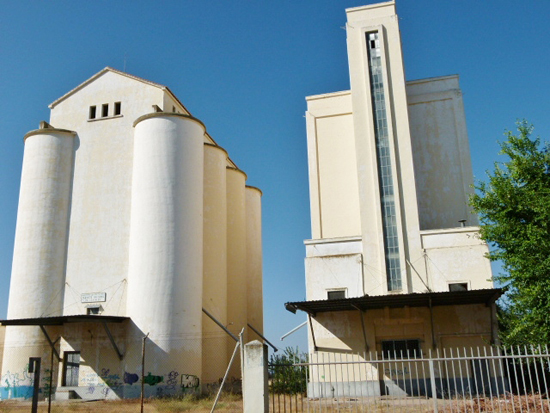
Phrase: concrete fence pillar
x=255 y=390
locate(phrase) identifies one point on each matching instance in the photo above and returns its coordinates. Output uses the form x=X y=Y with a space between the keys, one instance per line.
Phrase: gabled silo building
x=131 y=221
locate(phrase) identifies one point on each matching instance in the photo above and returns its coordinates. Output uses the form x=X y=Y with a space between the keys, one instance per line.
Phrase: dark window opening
x=118 y=107
x=92 y=311
x=336 y=295
x=458 y=287
x=71 y=365
x=105 y=110
x=398 y=349
x=92 y=112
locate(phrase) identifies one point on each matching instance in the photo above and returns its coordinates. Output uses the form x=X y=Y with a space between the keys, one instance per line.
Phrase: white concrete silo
x=40 y=250
x=255 y=313
x=166 y=248
x=236 y=257
x=214 y=300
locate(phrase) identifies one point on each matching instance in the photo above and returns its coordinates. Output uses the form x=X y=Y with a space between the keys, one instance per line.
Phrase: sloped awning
x=67 y=319
x=60 y=320
x=428 y=300
x=431 y=299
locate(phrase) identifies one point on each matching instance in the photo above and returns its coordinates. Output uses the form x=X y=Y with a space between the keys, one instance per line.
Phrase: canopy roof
x=60 y=320
x=430 y=299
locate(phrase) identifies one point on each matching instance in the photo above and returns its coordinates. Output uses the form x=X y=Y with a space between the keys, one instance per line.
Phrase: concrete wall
x=441 y=152
x=459 y=325
x=333 y=187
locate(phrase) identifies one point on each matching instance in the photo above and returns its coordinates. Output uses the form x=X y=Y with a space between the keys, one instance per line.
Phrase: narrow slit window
x=104 y=110
x=458 y=287
x=92 y=113
x=118 y=108
x=336 y=294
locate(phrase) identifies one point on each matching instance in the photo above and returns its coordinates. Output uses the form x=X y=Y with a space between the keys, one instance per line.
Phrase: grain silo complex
x=132 y=221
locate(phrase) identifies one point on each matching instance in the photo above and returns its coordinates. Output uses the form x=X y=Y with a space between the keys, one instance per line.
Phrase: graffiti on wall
x=152 y=380
x=16 y=384
x=94 y=384
x=130 y=378
x=172 y=380
x=188 y=381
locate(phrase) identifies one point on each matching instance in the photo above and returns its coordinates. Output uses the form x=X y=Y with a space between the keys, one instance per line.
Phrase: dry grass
x=228 y=403
x=507 y=403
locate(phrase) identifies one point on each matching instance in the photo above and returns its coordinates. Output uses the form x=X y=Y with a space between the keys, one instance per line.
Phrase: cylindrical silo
x=40 y=250
x=236 y=258
x=214 y=294
x=255 y=312
x=165 y=252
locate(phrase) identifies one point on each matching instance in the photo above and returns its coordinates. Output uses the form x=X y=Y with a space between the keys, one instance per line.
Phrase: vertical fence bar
x=424 y=374
x=320 y=395
x=474 y=373
x=530 y=363
x=516 y=380
x=544 y=373
x=432 y=381
x=447 y=393
x=455 y=384
x=461 y=379
x=505 y=383
x=370 y=367
x=495 y=375
x=417 y=375
x=490 y=383
x=509 y=378
x=535 y=363
x=526 y=398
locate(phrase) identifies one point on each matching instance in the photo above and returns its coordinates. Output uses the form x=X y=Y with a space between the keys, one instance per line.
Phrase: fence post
x=34 y=367
x=255 y=391
x=432 y=383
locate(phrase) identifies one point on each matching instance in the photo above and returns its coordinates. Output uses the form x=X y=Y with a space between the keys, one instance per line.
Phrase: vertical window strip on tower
x=383 y=157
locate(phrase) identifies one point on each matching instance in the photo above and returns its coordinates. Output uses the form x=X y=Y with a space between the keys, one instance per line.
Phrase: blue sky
x=244 y=68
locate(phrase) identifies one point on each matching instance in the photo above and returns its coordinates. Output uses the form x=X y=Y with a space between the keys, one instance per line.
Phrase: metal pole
x=265 y=339
x=143 y=369
x=51 y=378
x=432 y=382
x=293 y=330
x=220 y=325
x=225 y=376
x=34 y=367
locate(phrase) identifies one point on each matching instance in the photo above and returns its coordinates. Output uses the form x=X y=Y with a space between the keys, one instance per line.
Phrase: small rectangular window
x=104 y=110
x=71 y=366
x=118 y=108
x=336 y=294
x=174 y=109
x=92 y=112
x=458 y=287
x=399 y=349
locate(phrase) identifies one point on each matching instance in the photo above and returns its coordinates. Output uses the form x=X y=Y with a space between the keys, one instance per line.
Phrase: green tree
x=514 y=210
x=285 y=376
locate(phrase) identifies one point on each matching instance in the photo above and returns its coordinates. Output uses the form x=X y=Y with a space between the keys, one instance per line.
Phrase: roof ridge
x=102 y=72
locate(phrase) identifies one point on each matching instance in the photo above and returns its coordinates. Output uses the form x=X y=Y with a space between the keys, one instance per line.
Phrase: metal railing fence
x=486 y=379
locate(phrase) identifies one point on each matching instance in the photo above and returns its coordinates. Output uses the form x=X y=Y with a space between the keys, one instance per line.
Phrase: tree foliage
x=514 y=210
x=285 y=376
